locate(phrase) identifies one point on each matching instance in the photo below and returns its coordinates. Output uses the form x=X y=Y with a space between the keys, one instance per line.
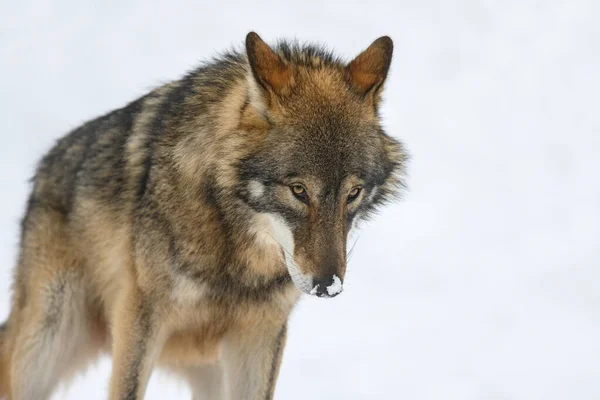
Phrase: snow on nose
x=328 y=287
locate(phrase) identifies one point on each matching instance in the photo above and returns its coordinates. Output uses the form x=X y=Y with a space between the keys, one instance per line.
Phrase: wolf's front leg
x=252 y=360
x=137 y=341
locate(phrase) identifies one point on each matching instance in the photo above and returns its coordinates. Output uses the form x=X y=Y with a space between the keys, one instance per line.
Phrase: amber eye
x=300 y=192
x=354 y=193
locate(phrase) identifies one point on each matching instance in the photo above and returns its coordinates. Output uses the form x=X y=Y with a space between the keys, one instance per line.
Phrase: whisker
x=349 y=255
x=282 y=246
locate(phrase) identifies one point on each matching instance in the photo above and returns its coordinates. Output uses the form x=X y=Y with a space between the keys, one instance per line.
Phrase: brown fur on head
x=325 y=162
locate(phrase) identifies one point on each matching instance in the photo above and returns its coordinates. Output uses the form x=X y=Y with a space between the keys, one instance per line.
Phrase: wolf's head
x=325 y=162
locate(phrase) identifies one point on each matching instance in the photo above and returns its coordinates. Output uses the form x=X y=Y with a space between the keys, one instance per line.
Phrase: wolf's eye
x=353 y=195
x=300 y=192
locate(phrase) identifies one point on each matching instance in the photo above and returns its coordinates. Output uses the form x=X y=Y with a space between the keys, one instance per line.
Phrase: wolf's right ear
x=268 y=68
x=367 y=72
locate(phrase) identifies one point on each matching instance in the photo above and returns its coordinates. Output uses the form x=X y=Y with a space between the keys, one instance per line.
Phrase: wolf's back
x=89 y=158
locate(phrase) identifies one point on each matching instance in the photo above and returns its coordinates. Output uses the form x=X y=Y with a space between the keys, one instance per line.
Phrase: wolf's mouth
x=327 y=288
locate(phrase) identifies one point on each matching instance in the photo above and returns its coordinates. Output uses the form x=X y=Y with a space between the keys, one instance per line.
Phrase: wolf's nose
x=327 y=287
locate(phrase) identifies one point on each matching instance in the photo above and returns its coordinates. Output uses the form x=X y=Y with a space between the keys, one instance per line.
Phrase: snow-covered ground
x=483 y=284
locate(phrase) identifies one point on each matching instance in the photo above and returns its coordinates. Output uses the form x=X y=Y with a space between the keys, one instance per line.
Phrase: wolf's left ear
x=367 y=72
x=267 y=67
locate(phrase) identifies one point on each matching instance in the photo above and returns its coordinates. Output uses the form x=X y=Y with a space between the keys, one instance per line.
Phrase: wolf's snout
x=330 y=286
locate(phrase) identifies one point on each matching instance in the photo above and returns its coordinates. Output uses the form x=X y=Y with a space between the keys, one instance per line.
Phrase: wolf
x=180 y=230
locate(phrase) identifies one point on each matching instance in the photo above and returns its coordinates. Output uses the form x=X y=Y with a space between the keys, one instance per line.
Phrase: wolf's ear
x=367 y=72
x=267 y=67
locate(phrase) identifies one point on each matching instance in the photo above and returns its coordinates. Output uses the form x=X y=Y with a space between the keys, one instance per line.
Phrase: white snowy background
x=482 y=284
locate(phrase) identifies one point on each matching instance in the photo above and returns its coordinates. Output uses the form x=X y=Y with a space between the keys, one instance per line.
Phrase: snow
x=314 y=290
x=335 y=287
x=332 y=290
x=482 y=284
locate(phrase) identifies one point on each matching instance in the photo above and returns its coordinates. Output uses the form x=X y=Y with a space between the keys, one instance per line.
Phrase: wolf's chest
x=192 y=347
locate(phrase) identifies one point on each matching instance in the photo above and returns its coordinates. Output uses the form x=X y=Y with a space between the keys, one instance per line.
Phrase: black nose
x=327 y=287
